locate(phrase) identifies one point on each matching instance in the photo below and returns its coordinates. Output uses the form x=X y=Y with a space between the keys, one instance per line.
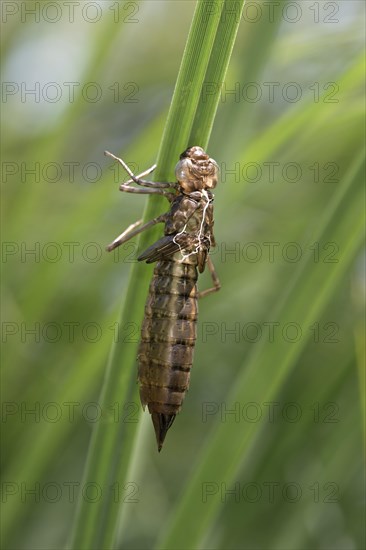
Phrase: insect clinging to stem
x=168 y=332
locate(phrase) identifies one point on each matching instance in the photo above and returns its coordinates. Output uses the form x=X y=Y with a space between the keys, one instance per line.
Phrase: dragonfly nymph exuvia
x=168 y=332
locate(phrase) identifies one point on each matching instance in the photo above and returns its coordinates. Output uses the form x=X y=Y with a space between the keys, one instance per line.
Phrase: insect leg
x=125 y=187
x=131 y=231
x=144 y=173
x=137 y=179
x=215 y=280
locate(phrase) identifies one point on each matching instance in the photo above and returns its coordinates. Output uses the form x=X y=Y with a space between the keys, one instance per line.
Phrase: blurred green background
x=79 y=78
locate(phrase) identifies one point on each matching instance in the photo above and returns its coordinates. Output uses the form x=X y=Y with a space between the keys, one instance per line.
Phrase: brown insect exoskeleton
x=168 y=331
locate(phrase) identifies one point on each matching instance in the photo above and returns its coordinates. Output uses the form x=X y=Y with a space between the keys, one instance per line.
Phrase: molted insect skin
x=168 y=337
x=168 y=333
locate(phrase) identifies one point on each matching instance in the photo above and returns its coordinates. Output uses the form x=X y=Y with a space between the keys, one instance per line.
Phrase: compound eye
x=182 y=170
x=184 y=176
x=212 y=178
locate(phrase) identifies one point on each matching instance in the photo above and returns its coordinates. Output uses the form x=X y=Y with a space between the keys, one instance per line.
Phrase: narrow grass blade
x=110 y=448
x=269 y=365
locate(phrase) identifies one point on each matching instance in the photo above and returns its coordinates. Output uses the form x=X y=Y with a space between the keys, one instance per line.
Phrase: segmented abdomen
x=168 y=337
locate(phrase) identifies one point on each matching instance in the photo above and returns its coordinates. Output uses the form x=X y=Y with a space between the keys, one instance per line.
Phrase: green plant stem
x=109 y=454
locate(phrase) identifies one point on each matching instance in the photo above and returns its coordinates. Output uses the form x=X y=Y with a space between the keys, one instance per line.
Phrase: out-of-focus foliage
x=288 y=137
